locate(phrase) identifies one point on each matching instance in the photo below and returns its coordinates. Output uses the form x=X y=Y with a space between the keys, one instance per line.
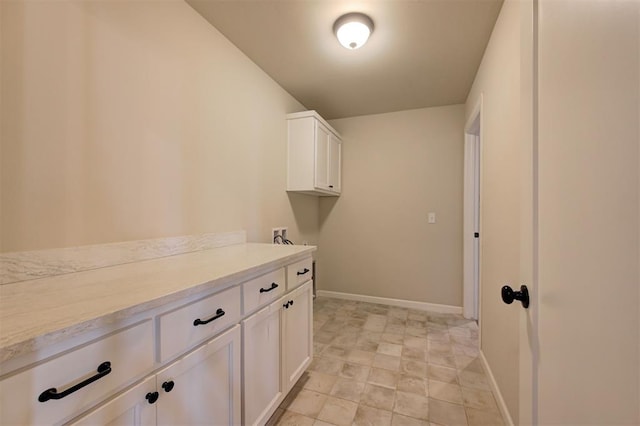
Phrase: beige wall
x=132 y=120
x=498 y=83
x=375 y=238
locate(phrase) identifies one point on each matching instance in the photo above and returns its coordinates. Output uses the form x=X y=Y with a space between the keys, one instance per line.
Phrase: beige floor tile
x=382 y=377
x=412 y=405
x=338 y=411
x=321 y=423
x=361 y=357
x=480 y=399
x=415 y=342
x=400 y=420
x=473 y=351
x=412 y=384
x=387 y=362
x=413 y=368
x=445 y=391
x=469 y=379
x=416 y=331
x=370 y=416
x=400 y=313
x=389 y=349
x=326 y=365
x=396 y=339
x=325 y=337
x=378 y=397
x=442 y=348
x=483 y=418
x=446 y=413
x=347 y=389
x=443 y=360
x=364 y=350
x=336 y=352
x=442 y=374
x=307 y=403
x=356 y=372
x=319 y=382
x=468 y=363
x=395 y=329
x=414 y=354
x=367 y=345
x=294 y=419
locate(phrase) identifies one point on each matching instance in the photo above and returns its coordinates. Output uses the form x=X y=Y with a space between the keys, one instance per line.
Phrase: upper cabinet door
x=335 y=163
x=314 y=157
x=322 y=162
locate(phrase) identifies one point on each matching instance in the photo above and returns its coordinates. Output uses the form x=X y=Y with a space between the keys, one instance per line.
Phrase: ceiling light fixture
x=353 y=29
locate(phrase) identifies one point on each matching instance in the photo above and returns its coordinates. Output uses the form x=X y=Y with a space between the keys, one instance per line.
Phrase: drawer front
x=129 y=352
x=189 y=325
x=298 y=273
x=263 y=290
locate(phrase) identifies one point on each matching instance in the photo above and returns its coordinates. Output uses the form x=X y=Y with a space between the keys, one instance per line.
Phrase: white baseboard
x=422 y=306
x=496 y=391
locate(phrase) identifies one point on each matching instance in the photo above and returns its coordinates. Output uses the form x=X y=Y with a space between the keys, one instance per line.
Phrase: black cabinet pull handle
x=286 y=305
x=291 y=302
x=508 y=295
x=218 y=314
x=304 y=271
x=168 y=385
x=330 y=186
x=52 y=393
x=273 y=287
x=152 y=397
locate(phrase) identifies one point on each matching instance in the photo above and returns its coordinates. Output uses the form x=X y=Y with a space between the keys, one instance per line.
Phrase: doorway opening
x=471 y=215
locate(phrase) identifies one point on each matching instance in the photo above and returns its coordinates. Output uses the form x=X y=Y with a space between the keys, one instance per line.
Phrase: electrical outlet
x=275 y=233
x=278 y=235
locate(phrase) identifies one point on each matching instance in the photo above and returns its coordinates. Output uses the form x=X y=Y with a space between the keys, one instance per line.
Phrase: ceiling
x=422 y=53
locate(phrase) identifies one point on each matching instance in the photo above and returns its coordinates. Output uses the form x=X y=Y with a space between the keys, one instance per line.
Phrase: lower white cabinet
x=238 y=376
x=298 y=334
x=204 y=386
x=261 y=364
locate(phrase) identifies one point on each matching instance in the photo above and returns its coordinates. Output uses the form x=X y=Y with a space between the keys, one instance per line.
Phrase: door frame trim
x=471 y=206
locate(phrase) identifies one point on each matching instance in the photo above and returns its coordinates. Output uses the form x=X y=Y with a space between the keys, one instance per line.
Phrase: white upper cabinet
x=314 y=155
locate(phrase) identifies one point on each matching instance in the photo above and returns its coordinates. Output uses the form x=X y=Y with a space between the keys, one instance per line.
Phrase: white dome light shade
x=353 y=30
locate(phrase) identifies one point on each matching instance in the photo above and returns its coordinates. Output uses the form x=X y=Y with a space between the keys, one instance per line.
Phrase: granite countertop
x=40 y=312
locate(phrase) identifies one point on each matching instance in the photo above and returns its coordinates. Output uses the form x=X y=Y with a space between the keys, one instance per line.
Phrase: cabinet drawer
x=129 y=352
x=298 y=273
x=262 y=290
x=189 y=325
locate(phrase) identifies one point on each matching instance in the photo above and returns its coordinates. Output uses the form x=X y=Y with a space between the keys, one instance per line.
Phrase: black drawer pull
x=152 y=397
x=52 y=393
x=218 y=314
x=168 y=386
x=330 y=186
x=273 y=287
x=304 y=271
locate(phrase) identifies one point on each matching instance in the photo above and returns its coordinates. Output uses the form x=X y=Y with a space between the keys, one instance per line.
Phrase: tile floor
x=384 y=365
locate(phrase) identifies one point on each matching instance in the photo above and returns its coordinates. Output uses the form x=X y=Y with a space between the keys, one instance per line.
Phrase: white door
x=261 y=362
x=298 y=334
x=203 y=388
x=586 y=368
